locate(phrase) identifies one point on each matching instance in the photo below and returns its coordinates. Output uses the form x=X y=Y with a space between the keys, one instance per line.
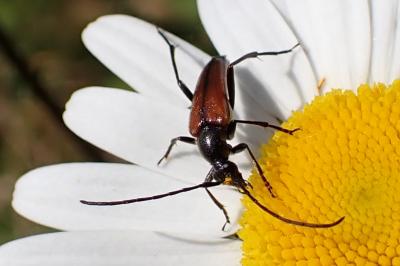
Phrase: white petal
x=336 y=36
x=385 y=61
x=395 y=65
x=119 y=248
x=281 y=84
x=51 y=196
x=135 y=52
x=383 y=16
x=135 y=128
x=139 y=129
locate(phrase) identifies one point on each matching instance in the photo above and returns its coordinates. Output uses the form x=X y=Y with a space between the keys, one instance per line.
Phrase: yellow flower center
x=345 y=161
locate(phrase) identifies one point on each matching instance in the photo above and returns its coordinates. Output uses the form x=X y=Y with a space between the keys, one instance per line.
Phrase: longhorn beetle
x=211 y=125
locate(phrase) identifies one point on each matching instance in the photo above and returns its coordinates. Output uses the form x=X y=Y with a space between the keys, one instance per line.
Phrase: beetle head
x=229 y=174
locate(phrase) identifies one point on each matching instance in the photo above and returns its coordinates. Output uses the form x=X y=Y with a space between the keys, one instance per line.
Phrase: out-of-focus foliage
x=47 y=34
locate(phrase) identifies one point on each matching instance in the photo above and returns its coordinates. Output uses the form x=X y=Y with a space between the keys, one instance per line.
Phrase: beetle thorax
x=212 y=144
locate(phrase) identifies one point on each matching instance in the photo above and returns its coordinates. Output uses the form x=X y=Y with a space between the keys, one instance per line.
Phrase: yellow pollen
x=345 y=161
x=228 y=181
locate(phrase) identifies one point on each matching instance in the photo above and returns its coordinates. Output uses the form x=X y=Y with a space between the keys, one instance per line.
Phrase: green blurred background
x=46 y=37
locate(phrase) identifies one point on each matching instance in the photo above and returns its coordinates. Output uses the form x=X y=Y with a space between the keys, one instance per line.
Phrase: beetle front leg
x=189 y=140
x=243 y=146
x=221 y=207
x=209 y=179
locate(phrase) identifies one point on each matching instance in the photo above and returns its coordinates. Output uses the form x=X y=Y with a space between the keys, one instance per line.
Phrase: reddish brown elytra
x=210 y=103
x=211 y=125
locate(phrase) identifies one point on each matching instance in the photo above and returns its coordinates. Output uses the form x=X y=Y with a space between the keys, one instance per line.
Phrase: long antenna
x=286 y=220
x=171 y=193
x=207 y=185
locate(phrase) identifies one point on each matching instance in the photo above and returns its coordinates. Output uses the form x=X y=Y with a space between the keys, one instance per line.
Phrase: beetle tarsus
x=248 y=184
x=220 y=206
x=243 y=146
x=257 y=54
x=185 y=139
x=294 y=130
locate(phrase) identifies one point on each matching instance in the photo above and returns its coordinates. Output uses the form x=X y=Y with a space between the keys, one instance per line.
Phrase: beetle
x=211 y=125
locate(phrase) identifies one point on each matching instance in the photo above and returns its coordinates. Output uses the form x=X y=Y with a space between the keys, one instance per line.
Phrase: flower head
x=343 y=161
x=319 y=174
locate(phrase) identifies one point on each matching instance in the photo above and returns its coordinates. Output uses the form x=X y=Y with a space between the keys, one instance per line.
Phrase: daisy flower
x=339 y=87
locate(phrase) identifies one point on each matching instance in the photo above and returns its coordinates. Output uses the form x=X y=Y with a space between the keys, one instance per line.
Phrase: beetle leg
x=243 y=146
x=231 y=129
x=266 y=124
x=221 y=207
x=257 y=54
x=189 y=140
x=231 y=85
x=181 y=84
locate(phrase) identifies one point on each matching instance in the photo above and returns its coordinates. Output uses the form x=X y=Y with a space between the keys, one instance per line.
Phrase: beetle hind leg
x=181 y=84
x=257 y=54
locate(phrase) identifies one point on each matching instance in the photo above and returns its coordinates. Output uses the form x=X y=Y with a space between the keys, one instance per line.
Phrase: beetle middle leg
x=181 y=84
x=185 y=139
x=243 y=146
x=264 y=124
